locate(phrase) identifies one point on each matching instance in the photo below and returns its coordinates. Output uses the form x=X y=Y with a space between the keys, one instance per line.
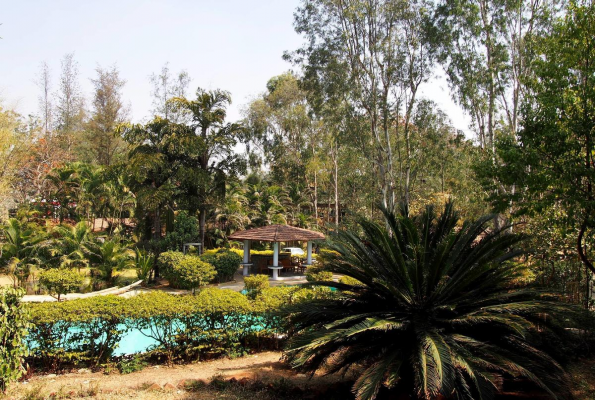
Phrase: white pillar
x=309 y=259
x=275 y=261
x=246 y=269
x=276 y=254
x=246 y=251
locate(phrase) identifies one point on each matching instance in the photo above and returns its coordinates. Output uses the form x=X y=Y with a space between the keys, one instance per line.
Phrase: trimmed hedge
x=212 y=323
x=83 y=330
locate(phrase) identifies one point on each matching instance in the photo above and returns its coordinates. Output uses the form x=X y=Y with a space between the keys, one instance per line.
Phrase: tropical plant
x=255 y=284
x=437 y=312
x=208 y=157
x=151 y=167
x=71 y=243
x=64 y=188
x=107 y=257
x=59 y=281
x=145 y=262
x=19 y=252
x=266 y=204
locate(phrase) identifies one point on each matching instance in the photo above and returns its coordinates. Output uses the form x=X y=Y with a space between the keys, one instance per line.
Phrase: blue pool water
x=133 y=342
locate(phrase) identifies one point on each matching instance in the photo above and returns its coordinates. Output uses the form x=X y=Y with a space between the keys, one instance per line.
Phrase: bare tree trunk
x=336 y=188
x=157 y=224
x=316 y=196
x=202 y=226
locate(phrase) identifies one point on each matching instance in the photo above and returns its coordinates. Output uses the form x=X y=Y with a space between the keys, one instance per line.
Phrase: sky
x=235 y=45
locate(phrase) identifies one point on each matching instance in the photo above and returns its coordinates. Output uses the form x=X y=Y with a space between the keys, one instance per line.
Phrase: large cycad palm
x=437 y=312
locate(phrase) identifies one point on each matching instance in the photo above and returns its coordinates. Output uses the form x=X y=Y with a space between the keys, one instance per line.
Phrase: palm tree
x=437 y=313
x=151 y=167
x=266 y=204
x=65 y=186
x=19 y=252
x=71 y=244
x=209 y=157
x=298 y=199
x=108 y=257
x=233 y=213
x=91 y=197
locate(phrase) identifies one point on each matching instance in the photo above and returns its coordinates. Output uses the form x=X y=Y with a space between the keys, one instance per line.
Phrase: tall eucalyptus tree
x=379 y=48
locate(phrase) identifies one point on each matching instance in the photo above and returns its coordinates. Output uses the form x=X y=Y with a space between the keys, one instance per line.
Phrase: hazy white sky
x=234 y=45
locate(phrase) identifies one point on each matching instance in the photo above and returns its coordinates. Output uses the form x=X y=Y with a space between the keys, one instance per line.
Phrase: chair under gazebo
x=275 y=234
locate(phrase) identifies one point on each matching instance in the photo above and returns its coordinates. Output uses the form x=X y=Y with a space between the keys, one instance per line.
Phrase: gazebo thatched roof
x=277 y=233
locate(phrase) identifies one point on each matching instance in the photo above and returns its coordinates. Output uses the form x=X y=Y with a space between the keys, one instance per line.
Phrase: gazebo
x=275 y=234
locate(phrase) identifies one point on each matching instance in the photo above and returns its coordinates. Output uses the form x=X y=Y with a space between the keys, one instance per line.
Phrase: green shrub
x=185 y=231
x=185 y=271
x=239 y=252
x=77 y=331
x=214 y=322
x=255 y=284
x=191 y=273
x=226 y=263
x=13 y=330
x=59 y=281
x=273 y=298
x=167 y=260
x=128 y=365
x=315 y=274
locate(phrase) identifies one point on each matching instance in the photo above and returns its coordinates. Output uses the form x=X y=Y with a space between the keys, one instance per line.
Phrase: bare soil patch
x=187 y=381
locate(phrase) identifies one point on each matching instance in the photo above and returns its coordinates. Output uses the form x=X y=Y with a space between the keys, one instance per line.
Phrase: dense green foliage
x=185 y=231
x=438 y=312
x=59 y=281
x=185 y=271
x=255 y=284
x=226 y=264
x=191 y=273
x=427 y=305
x=556 y=142
x=14 y=317
x=316 y=273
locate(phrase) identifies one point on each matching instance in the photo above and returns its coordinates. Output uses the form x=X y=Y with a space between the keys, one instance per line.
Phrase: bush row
x=213 y=322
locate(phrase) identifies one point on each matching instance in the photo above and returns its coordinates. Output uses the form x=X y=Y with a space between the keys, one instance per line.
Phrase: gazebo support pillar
x=246 y=263
x=309 y=258
x=275 y=266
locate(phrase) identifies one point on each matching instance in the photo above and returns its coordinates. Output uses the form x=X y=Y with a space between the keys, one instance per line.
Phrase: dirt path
x=161 y=381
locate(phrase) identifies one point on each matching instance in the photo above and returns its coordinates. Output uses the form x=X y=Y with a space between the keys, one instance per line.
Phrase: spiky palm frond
x=436 y=313
x=108 y=257
x=70 y=244
x=20 y=251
